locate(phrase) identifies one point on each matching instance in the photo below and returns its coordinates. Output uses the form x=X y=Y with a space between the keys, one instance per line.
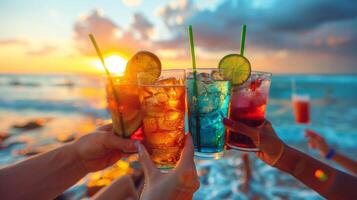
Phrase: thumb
x=146 y=162
x=112 y=141
x=188 y=153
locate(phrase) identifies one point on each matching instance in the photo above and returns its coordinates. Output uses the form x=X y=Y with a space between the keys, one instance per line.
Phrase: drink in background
x=127 y=102
x=206 y=109
x=301 y=106
x=248 y=105
x=163 y=107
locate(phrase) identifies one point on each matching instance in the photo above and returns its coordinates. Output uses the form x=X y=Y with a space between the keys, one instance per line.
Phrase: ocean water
x=76 y=103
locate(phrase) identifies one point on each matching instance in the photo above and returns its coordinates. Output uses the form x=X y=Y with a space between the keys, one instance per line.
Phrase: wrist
x=287 y=160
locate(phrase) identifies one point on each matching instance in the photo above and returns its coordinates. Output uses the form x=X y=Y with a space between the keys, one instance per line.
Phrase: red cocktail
x=248 y=105
x=301 y=106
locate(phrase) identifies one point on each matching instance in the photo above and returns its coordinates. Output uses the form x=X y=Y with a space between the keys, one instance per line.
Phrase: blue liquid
x=208 y=109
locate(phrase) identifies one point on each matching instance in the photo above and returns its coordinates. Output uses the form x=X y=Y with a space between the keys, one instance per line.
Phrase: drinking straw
x=195 y=89
x=242 y=40
x=111 y=84
x=192 y=50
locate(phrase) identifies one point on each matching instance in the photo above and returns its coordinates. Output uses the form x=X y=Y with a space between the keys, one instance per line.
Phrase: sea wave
x=53 y=106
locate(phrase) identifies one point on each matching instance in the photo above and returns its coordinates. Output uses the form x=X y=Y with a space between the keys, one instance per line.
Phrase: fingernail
x=227 y=122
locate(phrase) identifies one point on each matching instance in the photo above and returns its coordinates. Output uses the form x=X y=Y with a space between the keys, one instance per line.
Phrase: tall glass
x=301 y=106
x=248 y=105
x=125 y=107
x=163 y=105
x=207 y=107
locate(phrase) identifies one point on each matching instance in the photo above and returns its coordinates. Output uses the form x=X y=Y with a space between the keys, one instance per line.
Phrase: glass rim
x=215 y=68
x=115 y=74
x=300 y=97
x=207 y=68
x=161 y=73
x=261 y=72
x=174 y=69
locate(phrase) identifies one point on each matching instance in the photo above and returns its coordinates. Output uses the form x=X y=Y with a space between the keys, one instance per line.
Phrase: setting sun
x=115 y=64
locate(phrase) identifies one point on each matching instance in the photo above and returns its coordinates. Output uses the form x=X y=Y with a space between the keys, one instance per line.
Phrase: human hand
x=316 y=141
x=102 y=148
x=264 y=137
x=180 y=183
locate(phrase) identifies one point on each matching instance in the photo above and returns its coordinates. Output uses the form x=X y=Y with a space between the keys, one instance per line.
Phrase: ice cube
x=241 y=98
x=172 y=121
x=166 y=138
x=157 y=138
x=171 y=92
x=173 y=103
x=161 y=97
x=264 y=87
x=190 y=75
x=216 y=75
x=168 y=81
x=258 y=99
x=149 y=101
x=205 y=77
x=201 y=88
x=255 y=84
x=150 y=124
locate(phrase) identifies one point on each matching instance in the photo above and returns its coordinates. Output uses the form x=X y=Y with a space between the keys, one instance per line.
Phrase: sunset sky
x=305 y=36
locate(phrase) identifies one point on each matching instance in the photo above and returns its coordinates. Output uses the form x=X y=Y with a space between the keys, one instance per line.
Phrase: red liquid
x=252 y=116
x=302 y=111
x=248 y=106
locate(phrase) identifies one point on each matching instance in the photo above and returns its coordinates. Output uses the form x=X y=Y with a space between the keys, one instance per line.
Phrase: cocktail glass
x=125 y=108
x=206 y=110
x=163 y=107
x=248 y=105
x=301 y=106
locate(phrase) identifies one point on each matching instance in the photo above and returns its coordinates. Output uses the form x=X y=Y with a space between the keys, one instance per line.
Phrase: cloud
x=29 y=48
x=281 y=24
x=131 y=3
x=110 y=36
x=143 y=26
x=44 y=50
x=277 y=29
x=14 y=41
x=279 y=33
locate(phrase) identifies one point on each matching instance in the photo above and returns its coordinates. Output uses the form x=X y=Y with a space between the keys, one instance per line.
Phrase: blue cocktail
x=208 y=101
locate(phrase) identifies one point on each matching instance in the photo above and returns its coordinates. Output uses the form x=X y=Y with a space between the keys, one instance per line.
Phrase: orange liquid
x=128 y=105
x=163 y=123
x=302 y=111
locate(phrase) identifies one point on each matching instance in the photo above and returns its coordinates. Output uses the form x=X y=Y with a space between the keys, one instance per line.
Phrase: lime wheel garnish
x=147 y=65
x=235 y=68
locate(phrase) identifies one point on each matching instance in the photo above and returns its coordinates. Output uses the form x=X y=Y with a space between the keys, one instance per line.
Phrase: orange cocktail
x=301 y=105
x=125 y=108
x=163 y=106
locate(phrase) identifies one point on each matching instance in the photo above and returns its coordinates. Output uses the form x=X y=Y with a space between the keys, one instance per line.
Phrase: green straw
x=195 y=89
x=192 y=45
x=242 y=41
x=116 y=97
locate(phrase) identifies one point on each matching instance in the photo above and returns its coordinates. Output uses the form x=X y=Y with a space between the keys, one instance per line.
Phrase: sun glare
x=115 y=64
